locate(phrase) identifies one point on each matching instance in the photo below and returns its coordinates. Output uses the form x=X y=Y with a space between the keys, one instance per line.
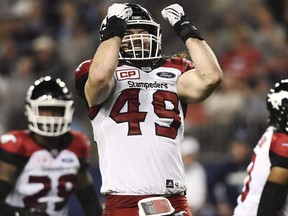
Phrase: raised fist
x=173 y=13
x=121 y=11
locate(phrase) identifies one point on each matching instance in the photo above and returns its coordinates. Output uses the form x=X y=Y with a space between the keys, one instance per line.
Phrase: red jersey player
x=42 y=167
x=266 y=186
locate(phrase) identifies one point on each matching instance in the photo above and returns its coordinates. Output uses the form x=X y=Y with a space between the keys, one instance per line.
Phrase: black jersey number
x=133 y=116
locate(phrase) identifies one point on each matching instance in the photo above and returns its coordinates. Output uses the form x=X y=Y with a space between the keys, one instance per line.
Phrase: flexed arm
x=100 y=81
x=197 y=84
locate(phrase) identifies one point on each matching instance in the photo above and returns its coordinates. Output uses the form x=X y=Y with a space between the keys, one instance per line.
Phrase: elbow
x=218 y=78
x=98 y=80
x=215 y=78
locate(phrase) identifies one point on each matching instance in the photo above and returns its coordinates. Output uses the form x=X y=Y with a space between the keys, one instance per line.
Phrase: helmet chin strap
x=144 y=63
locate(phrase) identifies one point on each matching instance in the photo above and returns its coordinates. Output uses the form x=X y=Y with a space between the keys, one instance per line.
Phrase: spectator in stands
x=195 y=174
x=225 y=177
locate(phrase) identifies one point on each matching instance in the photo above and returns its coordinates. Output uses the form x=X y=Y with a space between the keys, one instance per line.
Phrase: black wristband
x=115 y=27
x=185 y=29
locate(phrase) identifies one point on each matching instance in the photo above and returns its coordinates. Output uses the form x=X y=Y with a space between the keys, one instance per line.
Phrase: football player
x=266 y=186
x=137 y=101
x=40 y=168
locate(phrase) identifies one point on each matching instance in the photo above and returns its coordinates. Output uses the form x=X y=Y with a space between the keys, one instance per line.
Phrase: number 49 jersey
x=45 y=180
x=271 y=150
x=139 y=128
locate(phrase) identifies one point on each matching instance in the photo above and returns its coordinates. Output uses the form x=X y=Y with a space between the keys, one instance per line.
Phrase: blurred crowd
x=249 y=37
x=213 y=188
x=51 y=37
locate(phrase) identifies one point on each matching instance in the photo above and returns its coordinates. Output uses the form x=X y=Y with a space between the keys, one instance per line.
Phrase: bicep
x=95 y=94
x=192 y=88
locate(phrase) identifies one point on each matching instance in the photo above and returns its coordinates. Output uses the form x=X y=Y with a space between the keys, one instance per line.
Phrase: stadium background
x=249 y=37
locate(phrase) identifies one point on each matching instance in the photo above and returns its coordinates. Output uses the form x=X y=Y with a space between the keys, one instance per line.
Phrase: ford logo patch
x=166 y=75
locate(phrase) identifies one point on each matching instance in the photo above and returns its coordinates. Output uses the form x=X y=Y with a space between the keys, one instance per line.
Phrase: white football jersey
x=46 y=180
x=139 y=129
x=258 y=171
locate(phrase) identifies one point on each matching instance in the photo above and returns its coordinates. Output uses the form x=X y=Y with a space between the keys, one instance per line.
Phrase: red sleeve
x=17 y=142
x=81 y=76
x=80 y=145
x=279 y=144
x=16 y=148
x=181 y=64
x=279 y=150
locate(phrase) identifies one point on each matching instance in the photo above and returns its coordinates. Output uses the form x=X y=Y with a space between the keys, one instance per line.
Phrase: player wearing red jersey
x=42 y=167
x=266 y=186
x=137 y=102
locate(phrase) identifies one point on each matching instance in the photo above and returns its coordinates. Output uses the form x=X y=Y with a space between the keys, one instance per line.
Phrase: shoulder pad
x=81 y=76
x=182 y=64
x=14 y=142
x=279 y=144
x=80 y=144
x=82 y=69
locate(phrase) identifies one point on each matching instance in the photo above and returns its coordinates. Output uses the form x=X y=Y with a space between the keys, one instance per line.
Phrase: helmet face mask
x=277 y=105
x=137 y=43
x=144 y=45
x=140 y=44
x=49 y=107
